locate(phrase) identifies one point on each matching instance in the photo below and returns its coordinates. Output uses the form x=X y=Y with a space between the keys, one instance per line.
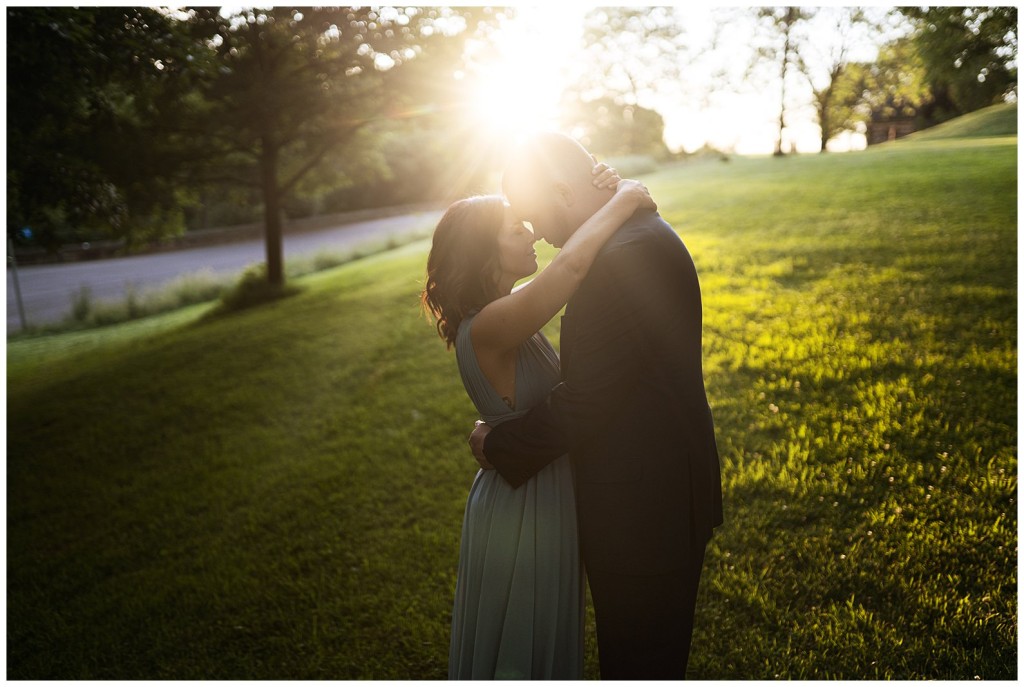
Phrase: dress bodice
x=536 y=374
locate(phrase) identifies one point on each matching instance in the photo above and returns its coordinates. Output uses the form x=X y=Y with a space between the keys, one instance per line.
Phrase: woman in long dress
x=519 y=598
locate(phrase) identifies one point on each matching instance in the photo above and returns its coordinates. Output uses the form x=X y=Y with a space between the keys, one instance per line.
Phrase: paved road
x=47 y=289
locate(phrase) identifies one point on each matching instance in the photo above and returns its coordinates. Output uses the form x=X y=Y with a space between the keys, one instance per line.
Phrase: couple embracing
x=603 y=461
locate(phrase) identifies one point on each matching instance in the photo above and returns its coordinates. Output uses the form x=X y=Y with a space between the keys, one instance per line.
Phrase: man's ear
x=564 y=194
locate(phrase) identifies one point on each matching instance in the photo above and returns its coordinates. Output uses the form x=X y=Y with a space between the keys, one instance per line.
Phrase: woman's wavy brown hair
x=463 y=262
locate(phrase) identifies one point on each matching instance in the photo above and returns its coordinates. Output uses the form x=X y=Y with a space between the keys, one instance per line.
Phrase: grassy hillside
x=278 y=494
x=997 y=120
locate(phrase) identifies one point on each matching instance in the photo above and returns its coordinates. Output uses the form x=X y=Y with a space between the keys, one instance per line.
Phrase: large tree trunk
x=272 y=212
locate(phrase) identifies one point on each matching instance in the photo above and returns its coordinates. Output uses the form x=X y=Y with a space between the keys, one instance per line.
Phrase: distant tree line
x=941 y=62
x=953 y=60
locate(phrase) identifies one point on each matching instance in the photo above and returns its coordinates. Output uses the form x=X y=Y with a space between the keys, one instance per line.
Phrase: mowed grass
x=278 y=494
x=995 y=120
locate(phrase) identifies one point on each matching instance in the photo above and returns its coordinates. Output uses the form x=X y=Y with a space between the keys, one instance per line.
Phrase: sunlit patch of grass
x=861 y=353
x=278 y=494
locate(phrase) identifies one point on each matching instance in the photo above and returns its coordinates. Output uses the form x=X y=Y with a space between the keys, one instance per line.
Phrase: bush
x=253 y=289
x=81 y=304
x=86 y=311
x=325 y=260
x=197 y=287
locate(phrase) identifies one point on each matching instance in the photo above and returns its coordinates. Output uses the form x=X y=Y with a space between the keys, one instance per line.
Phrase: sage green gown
x=519 y=601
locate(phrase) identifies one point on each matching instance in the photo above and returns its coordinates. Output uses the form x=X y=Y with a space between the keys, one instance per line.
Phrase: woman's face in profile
x=515 y=247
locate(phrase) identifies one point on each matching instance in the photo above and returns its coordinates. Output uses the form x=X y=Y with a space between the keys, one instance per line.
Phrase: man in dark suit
x=630 y=410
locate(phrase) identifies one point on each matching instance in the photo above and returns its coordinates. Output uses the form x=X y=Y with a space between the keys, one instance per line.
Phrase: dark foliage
x=88 y=93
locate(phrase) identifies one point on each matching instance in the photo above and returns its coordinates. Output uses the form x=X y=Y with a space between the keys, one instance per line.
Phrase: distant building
x=890 y=129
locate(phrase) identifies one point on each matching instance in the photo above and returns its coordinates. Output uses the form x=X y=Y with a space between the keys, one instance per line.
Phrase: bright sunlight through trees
x=516 y=83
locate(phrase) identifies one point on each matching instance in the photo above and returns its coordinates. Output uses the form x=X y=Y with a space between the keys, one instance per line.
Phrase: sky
x=541 y=43
x=540 y=48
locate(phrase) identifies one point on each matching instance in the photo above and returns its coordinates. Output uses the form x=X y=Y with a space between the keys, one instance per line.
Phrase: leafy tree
x=893 y=86
x=608 y=126
x=629 y=51
x=781 y=47
x=88 y=94
x=629 y=54
x=835 y=94
x=295 y=95
x=969 y=55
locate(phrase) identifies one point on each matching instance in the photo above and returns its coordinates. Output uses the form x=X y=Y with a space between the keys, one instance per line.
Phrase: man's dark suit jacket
x=631 y=409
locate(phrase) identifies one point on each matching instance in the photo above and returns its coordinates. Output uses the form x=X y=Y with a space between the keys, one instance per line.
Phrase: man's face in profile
x=541 y=211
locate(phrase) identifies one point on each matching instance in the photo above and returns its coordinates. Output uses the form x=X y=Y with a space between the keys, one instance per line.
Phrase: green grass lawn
x=995 y=120
x=278 y=493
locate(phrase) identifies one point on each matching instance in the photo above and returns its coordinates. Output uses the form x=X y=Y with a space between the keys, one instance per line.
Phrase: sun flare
x=509 y=100
x=518 y=88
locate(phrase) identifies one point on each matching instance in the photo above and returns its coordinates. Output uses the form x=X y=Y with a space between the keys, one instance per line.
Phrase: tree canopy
x=968 y=55
x=893 y=86
x=123 y=116
x=88 y=92
x=293 y=94
x=628 y=54
x=610 y=127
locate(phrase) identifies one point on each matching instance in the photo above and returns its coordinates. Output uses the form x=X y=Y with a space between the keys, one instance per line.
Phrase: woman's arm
x=505 y=323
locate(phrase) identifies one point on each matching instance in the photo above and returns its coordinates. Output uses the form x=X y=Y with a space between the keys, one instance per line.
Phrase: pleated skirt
x=519 y=601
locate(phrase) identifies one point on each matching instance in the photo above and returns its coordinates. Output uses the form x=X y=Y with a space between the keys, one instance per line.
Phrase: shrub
x=81 y=304
x=133 y=304
x=325 y=260
x=253 y=289
x=196 y=287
